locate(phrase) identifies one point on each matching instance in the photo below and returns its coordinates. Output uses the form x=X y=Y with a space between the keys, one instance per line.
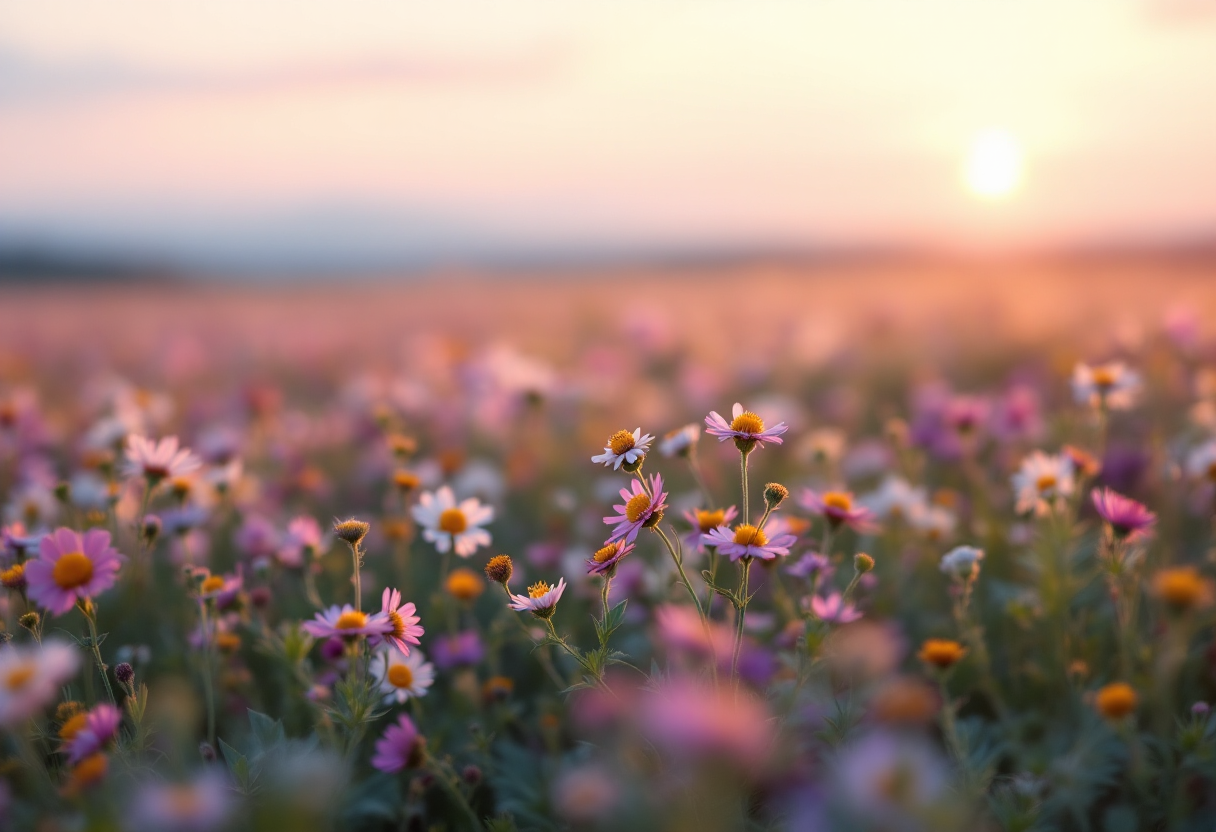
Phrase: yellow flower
x=941 y=652
x=1116 y=700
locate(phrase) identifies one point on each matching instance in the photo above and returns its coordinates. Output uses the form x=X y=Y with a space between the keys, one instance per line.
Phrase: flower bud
x=124 y=673
x=499 y=569
x=150 y=530
x=471 y=775
x=862 y=563
x=207 y=752
x=63 y=492
x=352 y=531
x=30 y=621
x=775 y=494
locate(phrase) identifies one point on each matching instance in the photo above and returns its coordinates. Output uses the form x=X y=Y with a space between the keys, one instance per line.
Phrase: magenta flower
x=159 y=460
x=348 y=623
x=838 y=508
x=71 y=567
x=639 y=510
x=99 y=728
x=704 y=521
x=747 y=541
x=745 y=427
x=833 y=609
x=405 y=630
x=400 y=747
x=1127 y=518
x=608 y=557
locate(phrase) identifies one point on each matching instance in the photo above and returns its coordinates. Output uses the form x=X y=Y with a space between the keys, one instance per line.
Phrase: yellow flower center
x=464 y=584
x=1104 y=377
x=406 y=480
x=607 y=553
x=350 y=620
x=747 y=535
x=1116 y=700
x=13 y=576
x=1182 y=586
x=19 y=676
x=941 y=652
x=838 y=500
x=1046 y=482
x=212 y=584
x=620 y=442
x=636 y=507
x=708 y=520
x=452 y=521
x=72 y=570
x=91 y=769
x=538 y=589
x=72 y=727
x=398 y=623
x=400 y=676
x=747 y=422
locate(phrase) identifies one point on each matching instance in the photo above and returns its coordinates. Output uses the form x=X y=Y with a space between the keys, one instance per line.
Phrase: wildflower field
x=756 y=548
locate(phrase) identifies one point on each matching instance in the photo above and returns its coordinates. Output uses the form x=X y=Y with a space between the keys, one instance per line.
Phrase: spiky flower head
x=352 y=531
x=499 y=569
x=774 y=495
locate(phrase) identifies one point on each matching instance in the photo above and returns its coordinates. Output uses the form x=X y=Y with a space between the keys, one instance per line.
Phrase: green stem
x=356 y=558
x=447 y=779
x=90 y=616
x=742 y=609
x=208 y=670
x=679 y=562
x=743 y=473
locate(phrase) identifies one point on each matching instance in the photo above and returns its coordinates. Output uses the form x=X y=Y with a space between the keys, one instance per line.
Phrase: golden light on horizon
x=994 y=164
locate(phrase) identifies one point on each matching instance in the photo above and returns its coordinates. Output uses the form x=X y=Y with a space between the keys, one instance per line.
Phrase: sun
x=993 y=168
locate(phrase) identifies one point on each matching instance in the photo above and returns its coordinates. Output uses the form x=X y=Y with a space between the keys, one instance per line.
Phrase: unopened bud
x=863 y=563
x=471 y=775
x=499 y=569
x=63 y=492
x=207 y=752
x=30 y=621
x=124 y=673
x=775 y=494
x=150 y=530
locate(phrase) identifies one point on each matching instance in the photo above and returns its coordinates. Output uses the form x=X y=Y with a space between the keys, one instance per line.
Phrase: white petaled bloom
x=541 y=599
x=1201 y=462
x=624 y=448
x=452 y=526
x=1112 y=385
x=159 y=460
x=896 y=498
x=1042 y=482
x=935 y=522
x=680 y=441
x=962 y=562
x=30 y=678
x=402 y=677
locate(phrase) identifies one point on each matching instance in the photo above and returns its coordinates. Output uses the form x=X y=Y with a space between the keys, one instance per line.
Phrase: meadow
x=901 y=546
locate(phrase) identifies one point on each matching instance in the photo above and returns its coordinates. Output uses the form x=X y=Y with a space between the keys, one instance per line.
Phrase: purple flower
x=639 y=510
x=347 y=623
x=464 y=648
x=71 y=567
x=1127 y=518
x=810 y=565
x=745 y=427
x=833 y=609
x=200 y=806
x=100 y=726
x=257 y=538
x=747 y=541
x=608 y=557
x=159 y=460
x=399 y=747
x=405 y=630
x=838 y=508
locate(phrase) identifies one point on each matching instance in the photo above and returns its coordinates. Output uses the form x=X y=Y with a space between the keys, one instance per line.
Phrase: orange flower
x=941 y=652
x=1116 y=700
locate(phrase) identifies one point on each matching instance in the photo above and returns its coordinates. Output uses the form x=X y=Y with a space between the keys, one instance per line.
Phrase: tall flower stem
x=542 y=653
x=448 y=779
x=743 y=475
x=745 y=571
x=90 y=615
x=356 y=557
x=679 y=562
x=208 y=669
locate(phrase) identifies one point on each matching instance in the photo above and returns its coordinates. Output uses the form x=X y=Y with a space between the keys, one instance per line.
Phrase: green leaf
x=267 y=733
x=238 y=764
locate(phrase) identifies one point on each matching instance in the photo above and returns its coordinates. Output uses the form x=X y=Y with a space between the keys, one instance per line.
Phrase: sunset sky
x=267 y=134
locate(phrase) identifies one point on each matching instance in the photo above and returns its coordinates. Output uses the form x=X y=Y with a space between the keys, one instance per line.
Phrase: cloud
x=25 y=78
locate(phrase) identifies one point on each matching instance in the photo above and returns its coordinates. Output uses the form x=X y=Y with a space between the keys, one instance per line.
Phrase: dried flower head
x=352 y=531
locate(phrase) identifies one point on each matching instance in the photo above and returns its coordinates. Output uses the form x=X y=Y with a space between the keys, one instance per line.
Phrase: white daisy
x=896 y=498
x=680 y=441
x=402 y=676
x=452 y=526
x=30 y=678
x=624 y=448
x=1112 y=385
x=1042 y=482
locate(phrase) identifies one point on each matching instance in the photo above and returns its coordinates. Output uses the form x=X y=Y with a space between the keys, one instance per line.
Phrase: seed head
x=352 y=531
x=499 y=569
x=775 y=494
x=30 y=621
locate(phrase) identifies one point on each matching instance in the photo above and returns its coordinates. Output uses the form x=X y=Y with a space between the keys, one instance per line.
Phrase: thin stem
x=447 y=779
x=694 y=465
x=743 y=580
x=208 y=682
x=356 y=557
x=680 y=568
x=90 y=616
x=743 y=473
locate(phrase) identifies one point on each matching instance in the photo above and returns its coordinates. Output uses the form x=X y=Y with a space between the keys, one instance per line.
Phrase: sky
x=266 y=134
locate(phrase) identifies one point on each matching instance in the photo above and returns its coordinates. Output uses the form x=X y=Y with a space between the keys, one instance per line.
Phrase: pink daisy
x=400 y=747
x=159 y=460
x=541 y=599
x=404 y=630
x=639 y=510
x=838 y=508
x=608 y=556
x=833 y=609
x=1127 y=518
x=94 y=731
x=747 y=541
x=704 y=521
x=745 y=427
x=347 y=622
x=71 y=567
